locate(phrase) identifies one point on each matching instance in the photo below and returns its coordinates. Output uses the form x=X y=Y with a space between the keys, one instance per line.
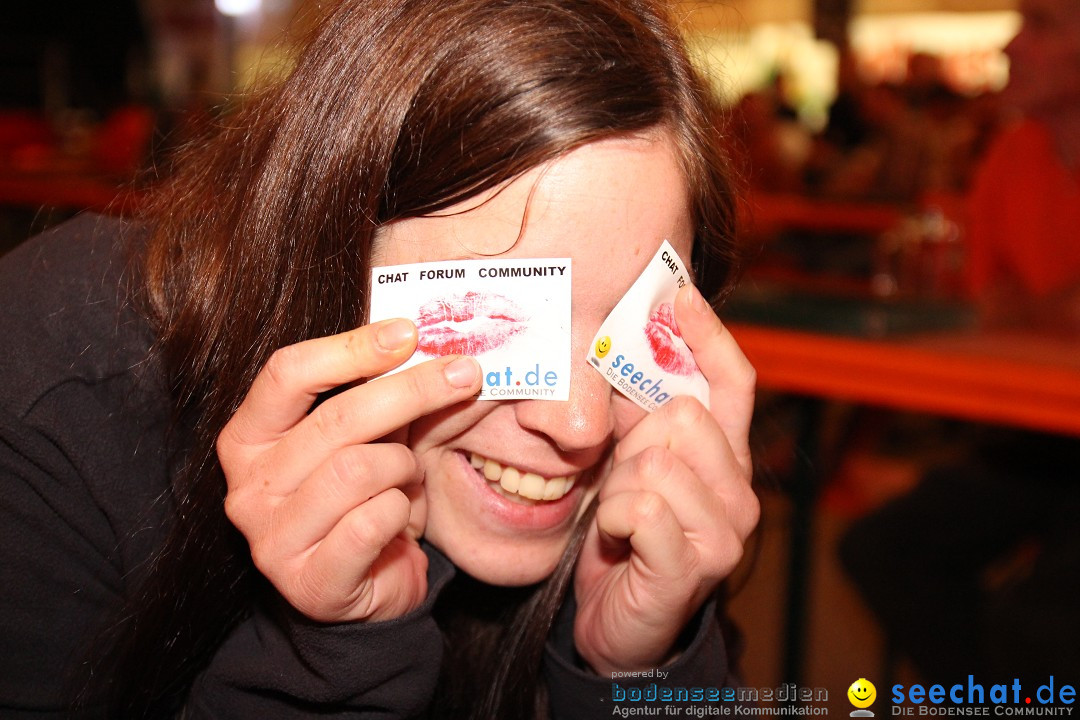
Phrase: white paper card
x=639 y=349
x=513 y=316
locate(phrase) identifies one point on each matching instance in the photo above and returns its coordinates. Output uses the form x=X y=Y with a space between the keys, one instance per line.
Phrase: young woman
x=209 y=509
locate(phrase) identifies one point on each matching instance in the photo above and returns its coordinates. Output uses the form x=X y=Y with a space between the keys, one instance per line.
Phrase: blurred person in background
x=846 y=126
x=1024 y=206
x=885 y=165
x=769 y=139
x=976 y=570
x=896 y=142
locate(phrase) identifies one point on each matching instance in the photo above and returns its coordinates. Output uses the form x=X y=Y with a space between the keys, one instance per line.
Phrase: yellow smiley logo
x=862 y=693
x=603 y=345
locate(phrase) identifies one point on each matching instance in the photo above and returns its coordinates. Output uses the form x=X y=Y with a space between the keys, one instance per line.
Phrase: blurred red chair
x=122 y=142
x=24 y=133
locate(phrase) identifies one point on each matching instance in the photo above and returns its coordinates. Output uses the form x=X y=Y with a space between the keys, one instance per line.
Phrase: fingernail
x=697 y=301
x=462 y=372
x=394 y=334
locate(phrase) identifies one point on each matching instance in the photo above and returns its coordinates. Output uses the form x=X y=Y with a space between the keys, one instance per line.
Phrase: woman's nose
x=583 y=422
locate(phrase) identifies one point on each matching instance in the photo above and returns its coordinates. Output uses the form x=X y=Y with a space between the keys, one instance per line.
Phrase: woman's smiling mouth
x=520 y=501
x=514 y=484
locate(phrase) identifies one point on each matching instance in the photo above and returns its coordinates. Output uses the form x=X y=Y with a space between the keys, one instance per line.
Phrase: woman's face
x=607 y=206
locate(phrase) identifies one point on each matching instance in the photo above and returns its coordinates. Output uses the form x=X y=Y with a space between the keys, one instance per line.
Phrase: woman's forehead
x=603 y=200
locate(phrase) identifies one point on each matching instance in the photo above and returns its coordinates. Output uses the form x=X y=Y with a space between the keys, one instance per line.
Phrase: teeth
x=555 y=488
x=532 y=486
x=510 y=480
x=523 y=484
x=492 y=470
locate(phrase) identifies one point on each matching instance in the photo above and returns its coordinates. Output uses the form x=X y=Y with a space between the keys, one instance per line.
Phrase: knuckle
x=364 y=532
x=402 y=463
x=331 y=418
x=351 y=465
x=368 y=530
x=747 y=376
x=416 y=383
x=411 y=462
x=236 y=508
x=232 y=509
x=225 y=446
x=748 y=515
x=230 y=448
x=282 y=366
x=358 y=343
x=724 y=553
x=752 y=510
x=731 y=552
x=647 y=508
x=398 y=509
x=264 y=557
x=655 y=462
x=686 y=412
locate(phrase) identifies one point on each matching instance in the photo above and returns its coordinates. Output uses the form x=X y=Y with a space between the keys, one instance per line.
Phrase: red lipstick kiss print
x=668 y=349
x=469 y=324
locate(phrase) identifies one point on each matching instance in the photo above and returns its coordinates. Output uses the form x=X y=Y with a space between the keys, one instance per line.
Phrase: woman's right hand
x=329 y=513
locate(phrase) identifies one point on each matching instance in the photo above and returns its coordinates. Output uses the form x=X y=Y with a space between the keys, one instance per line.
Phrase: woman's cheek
x=627 y=414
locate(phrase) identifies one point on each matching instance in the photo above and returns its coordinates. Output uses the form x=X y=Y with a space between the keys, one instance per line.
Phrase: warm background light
x=236 y=8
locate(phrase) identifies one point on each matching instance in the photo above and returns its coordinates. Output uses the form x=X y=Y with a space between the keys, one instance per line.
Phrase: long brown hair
x=261 y=236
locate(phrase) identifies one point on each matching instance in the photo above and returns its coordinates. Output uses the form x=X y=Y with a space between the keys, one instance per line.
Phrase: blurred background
x=917 y=356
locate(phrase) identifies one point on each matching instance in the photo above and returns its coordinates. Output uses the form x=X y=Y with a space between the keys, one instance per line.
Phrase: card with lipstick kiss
x=513 y=316
x=639 y=349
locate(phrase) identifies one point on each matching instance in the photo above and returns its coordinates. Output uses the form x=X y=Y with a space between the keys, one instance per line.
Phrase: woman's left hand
x=674 y=511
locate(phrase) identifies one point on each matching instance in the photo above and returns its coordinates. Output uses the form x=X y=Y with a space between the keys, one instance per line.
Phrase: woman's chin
x=506 y=566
